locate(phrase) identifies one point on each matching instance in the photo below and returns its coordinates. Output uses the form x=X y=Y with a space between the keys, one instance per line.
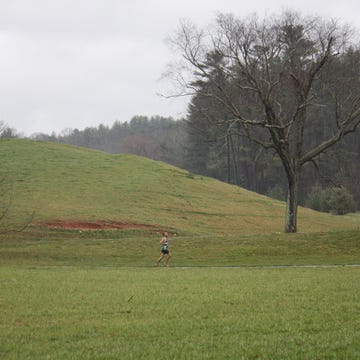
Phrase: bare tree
x=282 y=69
x=3 y=127
x=6 y=131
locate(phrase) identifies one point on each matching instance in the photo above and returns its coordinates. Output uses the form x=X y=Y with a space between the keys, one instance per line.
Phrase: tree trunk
x=292 y=204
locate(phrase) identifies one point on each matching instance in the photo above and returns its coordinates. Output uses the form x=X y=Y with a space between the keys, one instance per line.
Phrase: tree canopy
x=273 y=81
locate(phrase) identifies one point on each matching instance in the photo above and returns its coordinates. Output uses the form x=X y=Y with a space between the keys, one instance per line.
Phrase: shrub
x=337 y=200
x=318 y=199
x=340 y=201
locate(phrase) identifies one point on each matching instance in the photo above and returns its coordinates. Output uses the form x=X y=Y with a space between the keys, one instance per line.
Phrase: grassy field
x=160 y=313
x=95 y=294
x=35 y=247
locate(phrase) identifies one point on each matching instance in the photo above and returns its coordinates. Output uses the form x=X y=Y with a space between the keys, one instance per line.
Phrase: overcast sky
x=78 y=63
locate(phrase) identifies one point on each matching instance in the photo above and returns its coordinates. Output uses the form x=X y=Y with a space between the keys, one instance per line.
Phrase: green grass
x=35 y=247
x=63 y=182
x=71 y=294
x=112 y=313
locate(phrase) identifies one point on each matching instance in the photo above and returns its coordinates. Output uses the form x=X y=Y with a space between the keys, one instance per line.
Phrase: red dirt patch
x=95 y=225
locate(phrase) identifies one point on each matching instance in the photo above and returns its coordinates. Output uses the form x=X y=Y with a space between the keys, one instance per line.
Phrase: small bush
x=337 y=200
x=318 y=199
x=340 y=201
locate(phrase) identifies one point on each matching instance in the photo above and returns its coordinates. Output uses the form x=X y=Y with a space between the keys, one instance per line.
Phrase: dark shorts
x=165 y=251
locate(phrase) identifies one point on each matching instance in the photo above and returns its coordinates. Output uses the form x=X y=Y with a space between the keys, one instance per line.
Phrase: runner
x=164 y=242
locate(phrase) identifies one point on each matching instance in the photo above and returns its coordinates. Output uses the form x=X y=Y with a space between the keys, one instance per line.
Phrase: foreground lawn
x=64 y=312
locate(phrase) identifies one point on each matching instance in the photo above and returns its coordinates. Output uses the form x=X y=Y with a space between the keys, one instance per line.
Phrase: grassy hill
x=62 y=183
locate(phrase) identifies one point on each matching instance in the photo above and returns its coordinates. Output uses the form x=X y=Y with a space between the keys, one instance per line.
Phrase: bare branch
x=349 y=125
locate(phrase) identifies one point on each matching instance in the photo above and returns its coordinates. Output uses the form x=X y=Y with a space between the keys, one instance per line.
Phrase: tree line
x=156 y=137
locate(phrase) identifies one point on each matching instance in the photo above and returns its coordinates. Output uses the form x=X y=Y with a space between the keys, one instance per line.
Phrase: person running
x=164 y=242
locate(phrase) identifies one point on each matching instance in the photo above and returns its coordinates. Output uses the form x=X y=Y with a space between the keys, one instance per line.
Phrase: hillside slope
x=67 y=183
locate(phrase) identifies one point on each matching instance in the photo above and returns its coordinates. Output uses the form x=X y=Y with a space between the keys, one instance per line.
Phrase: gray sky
x=77 y=63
